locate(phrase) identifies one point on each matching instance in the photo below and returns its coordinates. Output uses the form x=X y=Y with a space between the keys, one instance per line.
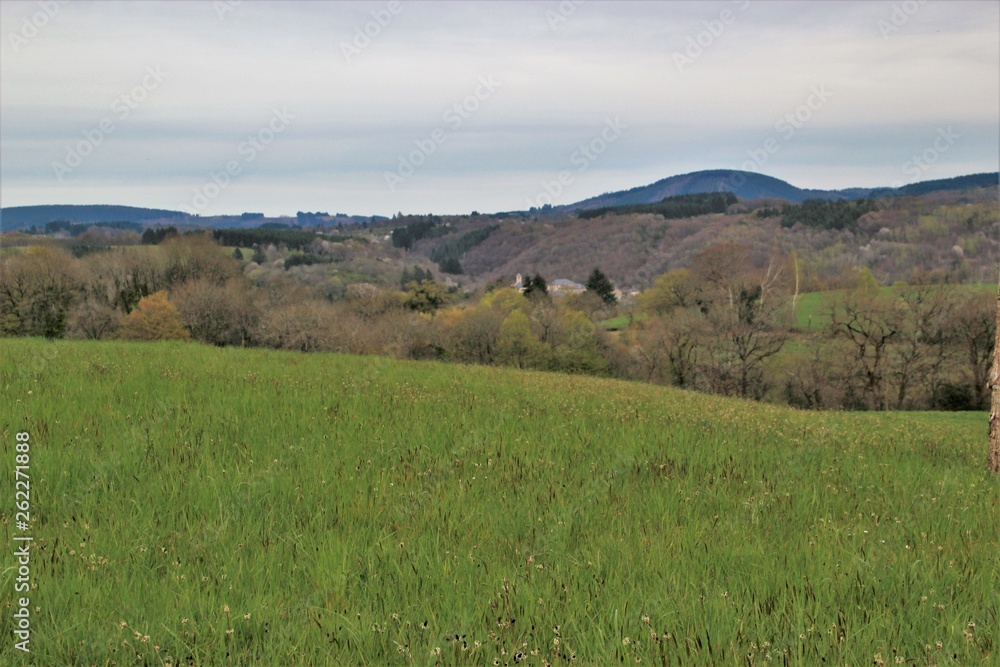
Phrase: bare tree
x=869 y=322
x=37 y=289
x=921 y=348
x=217 y=314
x=994 y=456
x=974 y=325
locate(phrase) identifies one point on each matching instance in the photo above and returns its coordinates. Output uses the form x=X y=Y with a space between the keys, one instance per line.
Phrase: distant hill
x=751 y=185
x=22 y=217
x=17 y=217
x=958 y=183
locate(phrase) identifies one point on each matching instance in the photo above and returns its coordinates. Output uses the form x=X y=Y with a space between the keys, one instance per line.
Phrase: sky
x=373 y=108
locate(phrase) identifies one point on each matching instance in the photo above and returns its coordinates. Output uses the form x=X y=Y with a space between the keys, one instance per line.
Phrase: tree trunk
x=994 y=460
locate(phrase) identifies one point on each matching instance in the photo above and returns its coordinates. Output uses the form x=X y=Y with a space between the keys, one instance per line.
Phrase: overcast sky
x=447 y=107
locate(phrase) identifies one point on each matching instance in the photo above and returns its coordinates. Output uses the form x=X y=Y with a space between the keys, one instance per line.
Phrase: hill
x=20 y=217
x=953 y=233
x=751 y=185
x=323 y=509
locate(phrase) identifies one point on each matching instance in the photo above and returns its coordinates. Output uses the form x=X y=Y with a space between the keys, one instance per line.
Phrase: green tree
x=517 y=345
x=674 y=289
x=535 y=287
x=427 y=296
x=599 y=284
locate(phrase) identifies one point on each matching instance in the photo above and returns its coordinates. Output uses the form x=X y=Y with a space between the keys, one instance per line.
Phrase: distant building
x=564 y=286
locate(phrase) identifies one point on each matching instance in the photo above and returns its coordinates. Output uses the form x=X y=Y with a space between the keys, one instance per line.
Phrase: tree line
x=678 y=206
x=725 y=325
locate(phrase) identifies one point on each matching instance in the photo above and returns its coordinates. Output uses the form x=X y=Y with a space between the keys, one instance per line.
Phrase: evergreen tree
x=238 y=254
x=599 y=284
x=535 y=287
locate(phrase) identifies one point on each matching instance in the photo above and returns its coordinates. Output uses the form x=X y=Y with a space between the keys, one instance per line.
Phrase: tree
x=123 y=276
x=472 y=333
x=427 y=296
x=674 y=289
x=920 y=349
x=217 y=314
x=37 y=289
x=451 y=265
x=155 y=318
x=535 y=287
x=994 y=455
x=752 y=332
x=599 y=284
x=869 y=321
x=238 y=254
x=517 y=345
x=92 y=319
x=974 y=324
x=304 y=326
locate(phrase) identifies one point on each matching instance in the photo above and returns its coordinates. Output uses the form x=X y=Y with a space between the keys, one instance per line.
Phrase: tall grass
x=219 y=506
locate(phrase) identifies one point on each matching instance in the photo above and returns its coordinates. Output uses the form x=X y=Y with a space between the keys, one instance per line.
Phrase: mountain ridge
x=744 y=184
x=751 y=185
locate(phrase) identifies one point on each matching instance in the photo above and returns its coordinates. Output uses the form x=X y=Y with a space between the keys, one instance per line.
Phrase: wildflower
x=626 y=641
x=225 y=608
x=436 y=650
x=246 y=617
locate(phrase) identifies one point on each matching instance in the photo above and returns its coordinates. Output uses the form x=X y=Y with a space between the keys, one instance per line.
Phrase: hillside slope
x=955 y=233
x=225 y=506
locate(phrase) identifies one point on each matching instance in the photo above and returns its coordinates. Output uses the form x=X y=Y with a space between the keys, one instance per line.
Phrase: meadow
x=201 y=506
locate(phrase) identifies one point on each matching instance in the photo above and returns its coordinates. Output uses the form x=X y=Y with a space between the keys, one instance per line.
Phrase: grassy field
x=812 y=311
x=200 y=506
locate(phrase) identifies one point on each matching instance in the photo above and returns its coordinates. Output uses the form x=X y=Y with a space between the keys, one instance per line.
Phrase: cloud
x=560 y=80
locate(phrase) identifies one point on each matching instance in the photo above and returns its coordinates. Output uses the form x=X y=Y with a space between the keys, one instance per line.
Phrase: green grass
x=622 y=321
x=812 y=310
x=243 y=507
